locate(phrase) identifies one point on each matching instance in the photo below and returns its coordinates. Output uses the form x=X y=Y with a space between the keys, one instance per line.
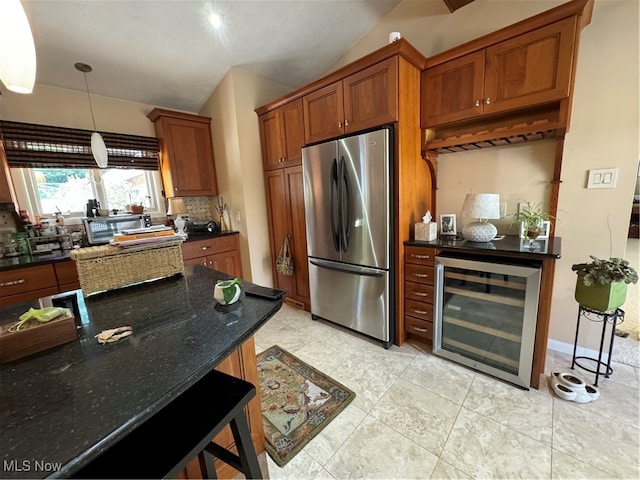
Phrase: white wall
x=236 y=144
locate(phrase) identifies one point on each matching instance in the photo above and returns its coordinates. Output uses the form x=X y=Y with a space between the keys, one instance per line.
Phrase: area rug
x=298 y=401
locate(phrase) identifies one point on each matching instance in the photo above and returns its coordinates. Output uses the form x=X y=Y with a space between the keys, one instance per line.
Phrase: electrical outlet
x=602 y=178
x=238 y=218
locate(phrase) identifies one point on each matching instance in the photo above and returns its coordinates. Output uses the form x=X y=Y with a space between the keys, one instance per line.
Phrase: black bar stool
x=163 y=445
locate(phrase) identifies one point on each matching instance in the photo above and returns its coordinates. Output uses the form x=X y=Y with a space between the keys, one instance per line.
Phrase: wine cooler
x=485 y=316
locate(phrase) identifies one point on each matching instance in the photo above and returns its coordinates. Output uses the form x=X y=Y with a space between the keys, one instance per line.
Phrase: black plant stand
x=613 y=318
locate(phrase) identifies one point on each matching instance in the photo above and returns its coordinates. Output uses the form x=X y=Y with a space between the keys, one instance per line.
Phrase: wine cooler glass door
x=486 y=316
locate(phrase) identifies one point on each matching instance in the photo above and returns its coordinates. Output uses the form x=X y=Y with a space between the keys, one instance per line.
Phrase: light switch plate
x=602 y=178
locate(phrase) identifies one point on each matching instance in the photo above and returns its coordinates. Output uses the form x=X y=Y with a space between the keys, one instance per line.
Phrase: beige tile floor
x=416 y=415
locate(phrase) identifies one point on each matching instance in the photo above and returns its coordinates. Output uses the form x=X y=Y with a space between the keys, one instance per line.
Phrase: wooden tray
x=34 y=337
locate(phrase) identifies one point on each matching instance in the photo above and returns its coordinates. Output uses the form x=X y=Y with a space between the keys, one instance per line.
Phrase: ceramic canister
x=227 y=292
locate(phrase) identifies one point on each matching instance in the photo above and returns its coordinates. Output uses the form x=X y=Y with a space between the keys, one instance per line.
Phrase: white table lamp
x=178 y=208
x=482 y=206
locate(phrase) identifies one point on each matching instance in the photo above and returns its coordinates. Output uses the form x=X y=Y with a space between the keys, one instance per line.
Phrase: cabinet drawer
x=24 y=280
x=420 y=255
x=67 y=273
x=419 y=273
x=418 y=327
x=420 y=310
x=202 y=248
x=419 y=292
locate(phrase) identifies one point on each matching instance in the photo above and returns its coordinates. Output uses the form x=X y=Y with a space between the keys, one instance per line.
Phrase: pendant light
x=98 y=148
x=17 y=50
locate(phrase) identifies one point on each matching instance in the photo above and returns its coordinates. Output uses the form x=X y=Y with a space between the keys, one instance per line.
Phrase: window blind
x=30 y=145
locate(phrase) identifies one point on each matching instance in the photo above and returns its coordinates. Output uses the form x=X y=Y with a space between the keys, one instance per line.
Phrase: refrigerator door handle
x=362 y=271
x=335 y=204
x=345 y=217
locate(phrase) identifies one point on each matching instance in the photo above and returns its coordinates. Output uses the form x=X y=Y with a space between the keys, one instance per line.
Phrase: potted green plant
x=602 y=284
x=532 y=219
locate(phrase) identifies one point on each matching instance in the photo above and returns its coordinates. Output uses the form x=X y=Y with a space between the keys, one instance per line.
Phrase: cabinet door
x=285 y=203
x=371 y=96
x=295 y=206
x=226 y=262
x=530 y=69
x=275 y=190
x=271 y=139
x=323 y=113
x=452 y=91
x=6 y=188
x=292 y=132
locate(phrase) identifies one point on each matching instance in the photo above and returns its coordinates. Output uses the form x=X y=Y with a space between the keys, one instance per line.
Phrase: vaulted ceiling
x=166 y=53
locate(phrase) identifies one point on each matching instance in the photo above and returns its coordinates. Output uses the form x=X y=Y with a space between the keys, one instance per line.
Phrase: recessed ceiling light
x=216 y=20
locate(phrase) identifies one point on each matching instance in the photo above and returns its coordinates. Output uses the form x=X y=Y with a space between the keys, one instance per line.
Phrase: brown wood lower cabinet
x=36 y=281
x=218 y=253
x=285 y=207
x=240 y=364
x=419 y=274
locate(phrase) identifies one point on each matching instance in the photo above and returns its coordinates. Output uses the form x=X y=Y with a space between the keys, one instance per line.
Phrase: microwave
x=101 y=230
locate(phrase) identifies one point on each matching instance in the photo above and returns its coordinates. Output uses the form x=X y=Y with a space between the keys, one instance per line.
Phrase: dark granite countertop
x=71 y=403
x=21 y=261
x=10 y=263
x=510 y=245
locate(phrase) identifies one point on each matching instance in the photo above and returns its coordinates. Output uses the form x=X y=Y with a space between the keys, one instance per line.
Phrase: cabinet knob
x=14 y=282
x=420 y=312
x=477 y=103
x=415 y=255
x=339 y=124
x=346 y=123
x=419 y=294
x=423 y=330
x=420 y=275
x=488 y=101
x=204 y=248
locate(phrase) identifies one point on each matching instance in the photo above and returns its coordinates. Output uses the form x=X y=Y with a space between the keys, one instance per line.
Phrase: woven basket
x=109 y=267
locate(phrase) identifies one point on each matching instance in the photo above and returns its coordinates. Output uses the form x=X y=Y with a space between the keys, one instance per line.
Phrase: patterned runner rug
x=298 y=401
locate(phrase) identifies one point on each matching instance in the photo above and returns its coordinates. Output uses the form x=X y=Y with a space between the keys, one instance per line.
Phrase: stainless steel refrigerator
x=347 y=197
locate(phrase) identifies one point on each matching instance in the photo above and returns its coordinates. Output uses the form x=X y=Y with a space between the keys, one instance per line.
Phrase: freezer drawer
x=355 y=297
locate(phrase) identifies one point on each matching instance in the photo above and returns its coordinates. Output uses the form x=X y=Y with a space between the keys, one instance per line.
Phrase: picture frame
x=544 y=234
x=448 y=224
x=546 y=228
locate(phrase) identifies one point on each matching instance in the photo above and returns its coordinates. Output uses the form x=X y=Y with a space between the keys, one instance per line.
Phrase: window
x=53 y=170
x=48 y=190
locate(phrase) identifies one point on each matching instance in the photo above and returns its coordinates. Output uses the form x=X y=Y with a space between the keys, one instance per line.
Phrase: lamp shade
x=17 y=50
x=99 y=150
x=481 y=205
x=176 y=206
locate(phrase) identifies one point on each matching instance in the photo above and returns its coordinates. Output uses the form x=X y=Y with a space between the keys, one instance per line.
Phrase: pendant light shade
x=17 y=50
x=98 y=148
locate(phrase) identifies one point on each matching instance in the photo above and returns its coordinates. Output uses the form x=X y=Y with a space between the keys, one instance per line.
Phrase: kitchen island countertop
x=71 y=403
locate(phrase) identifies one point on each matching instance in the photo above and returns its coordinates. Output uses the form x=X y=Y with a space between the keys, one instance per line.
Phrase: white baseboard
x=567 y=348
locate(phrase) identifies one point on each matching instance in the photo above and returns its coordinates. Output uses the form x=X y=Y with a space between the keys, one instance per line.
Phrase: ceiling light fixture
x=98 y=148
x=216 y=20
x=17 y=50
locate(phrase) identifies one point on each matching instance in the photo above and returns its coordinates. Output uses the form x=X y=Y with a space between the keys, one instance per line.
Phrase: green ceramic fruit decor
x=602 y=284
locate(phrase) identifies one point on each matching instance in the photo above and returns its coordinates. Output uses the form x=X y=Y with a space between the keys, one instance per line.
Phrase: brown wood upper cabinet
x=282 y=135
x=363 y=100
x=527 y=70
x=186 y=150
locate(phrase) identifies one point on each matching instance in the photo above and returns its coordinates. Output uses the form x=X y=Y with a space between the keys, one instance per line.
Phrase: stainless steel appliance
x=485 y=315
x=347 y=196
x=101 y=230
